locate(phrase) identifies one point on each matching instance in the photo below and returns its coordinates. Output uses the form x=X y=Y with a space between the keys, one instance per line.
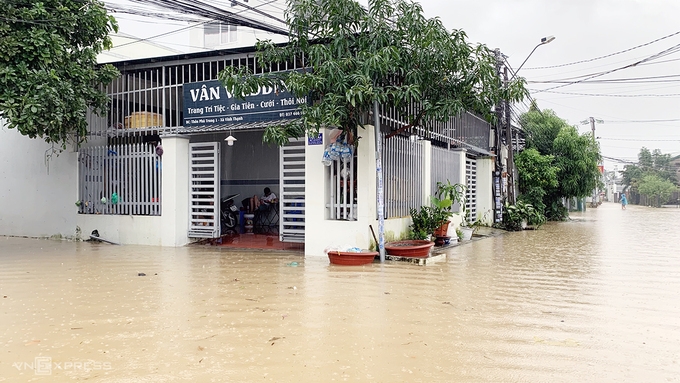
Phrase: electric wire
x=663 y=53
x=634 y=80
x=605 y=56
x=638 y=139
x=180 y=29
x=203 y=9
x=612 y=95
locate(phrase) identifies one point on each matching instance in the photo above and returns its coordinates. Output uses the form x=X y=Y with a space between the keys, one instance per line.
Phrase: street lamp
x=508 y=127
x=544 y=41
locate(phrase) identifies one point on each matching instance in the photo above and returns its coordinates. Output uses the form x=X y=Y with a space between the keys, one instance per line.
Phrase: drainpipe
x=380 y=189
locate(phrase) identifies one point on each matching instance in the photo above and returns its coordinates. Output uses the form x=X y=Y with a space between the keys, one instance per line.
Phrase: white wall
x=175 y=191
x=485 y=200
x=247 y=37
x=124 y=229
x=322 y=232
x=37 y=197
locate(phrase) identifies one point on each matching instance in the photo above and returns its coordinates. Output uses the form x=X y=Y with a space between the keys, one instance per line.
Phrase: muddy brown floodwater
x=592 y=300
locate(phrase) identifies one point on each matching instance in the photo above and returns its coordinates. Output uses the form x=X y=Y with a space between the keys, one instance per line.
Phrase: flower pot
x=442 y=230
x=351 y=258
x=441 y=241
x=411 y=248
x=467 y=233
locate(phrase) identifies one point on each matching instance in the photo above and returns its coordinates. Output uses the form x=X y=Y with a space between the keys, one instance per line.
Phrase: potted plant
x=518 y=216
x=423 y=223
x=443 y=201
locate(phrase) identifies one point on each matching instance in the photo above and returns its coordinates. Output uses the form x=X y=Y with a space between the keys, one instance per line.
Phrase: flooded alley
x=596 y=299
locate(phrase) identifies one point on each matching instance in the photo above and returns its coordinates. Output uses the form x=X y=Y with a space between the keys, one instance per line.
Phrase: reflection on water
x=595 y=299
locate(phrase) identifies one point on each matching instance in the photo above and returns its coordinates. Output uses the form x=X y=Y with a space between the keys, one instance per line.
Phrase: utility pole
x=508 y=138
x=498 y=145
x=592 y=121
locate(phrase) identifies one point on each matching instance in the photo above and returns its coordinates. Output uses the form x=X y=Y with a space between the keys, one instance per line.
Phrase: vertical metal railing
x=119 y=179
x=343 y=193
x=292 y=191
x=471 y=189
x=444 y=167
x=403 y=175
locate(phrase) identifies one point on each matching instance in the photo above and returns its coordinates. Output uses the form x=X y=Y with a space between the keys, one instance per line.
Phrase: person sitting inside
x=264 y=202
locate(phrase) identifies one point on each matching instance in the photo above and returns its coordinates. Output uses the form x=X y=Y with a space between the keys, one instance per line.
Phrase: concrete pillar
x=316 y=188
x=427 y=172
x=485 y=199
x=459 y=172
x=175 y=191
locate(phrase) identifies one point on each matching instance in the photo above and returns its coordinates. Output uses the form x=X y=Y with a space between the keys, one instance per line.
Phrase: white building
x=122 y=185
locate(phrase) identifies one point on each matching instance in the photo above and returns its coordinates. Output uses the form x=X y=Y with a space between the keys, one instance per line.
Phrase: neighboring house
x=128 y=47
x=222 y=35
x=39 y=180
x=133 y=191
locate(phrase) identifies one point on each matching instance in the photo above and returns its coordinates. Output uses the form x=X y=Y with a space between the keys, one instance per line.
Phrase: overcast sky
x=583 y=30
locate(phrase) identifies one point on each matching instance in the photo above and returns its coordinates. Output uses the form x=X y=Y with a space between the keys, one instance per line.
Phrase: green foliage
x=424 y=222
x=556 y=211
x=48 y=68
x=448 y=195
x=390 y=53
x=652 y=163
x=515 y=215
x=655 y=187
x=537 y=177
x=558 y=163
x=577 y=156
x=541 y=128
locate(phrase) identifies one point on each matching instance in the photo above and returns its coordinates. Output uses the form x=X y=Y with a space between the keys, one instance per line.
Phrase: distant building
x=128 y=47
x=222 y=35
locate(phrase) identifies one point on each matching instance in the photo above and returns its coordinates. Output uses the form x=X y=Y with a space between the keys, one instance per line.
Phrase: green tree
x=537 y=177
x=655 y=187
x=645 y=159
x=48 y=70
x=650 y=163
x=389 y=53
x=555 y=148
x=541 y=128
x=577 y=156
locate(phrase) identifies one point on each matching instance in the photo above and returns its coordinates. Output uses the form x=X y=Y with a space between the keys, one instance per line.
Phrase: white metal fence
x=292 y=191
x=343 y=189
x=403 y=174
x=444 y=167
x=204 y=190
x=471 y=191
x=119 y=179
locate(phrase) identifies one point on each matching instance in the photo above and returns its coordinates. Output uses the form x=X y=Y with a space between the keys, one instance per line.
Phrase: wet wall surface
x=596 y=299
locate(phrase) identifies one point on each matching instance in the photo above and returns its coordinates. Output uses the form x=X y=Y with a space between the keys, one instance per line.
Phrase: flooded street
x=592 y=300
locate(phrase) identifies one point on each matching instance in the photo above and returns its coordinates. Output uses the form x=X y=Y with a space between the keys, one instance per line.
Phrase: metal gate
x=471 y=191
x=204 y=190
x=292 y=190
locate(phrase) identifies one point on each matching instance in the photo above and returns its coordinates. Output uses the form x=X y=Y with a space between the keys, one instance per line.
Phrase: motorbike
x=228 y=215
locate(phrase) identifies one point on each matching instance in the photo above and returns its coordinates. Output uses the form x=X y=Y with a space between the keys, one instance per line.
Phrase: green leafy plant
x=453 y=193
x=514 y=216
x=388 y=53
x=430 y=218
x=423 y=222
x=49 y=75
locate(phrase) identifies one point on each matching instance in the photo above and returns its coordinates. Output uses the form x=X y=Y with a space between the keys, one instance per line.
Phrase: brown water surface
x=592 y=300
